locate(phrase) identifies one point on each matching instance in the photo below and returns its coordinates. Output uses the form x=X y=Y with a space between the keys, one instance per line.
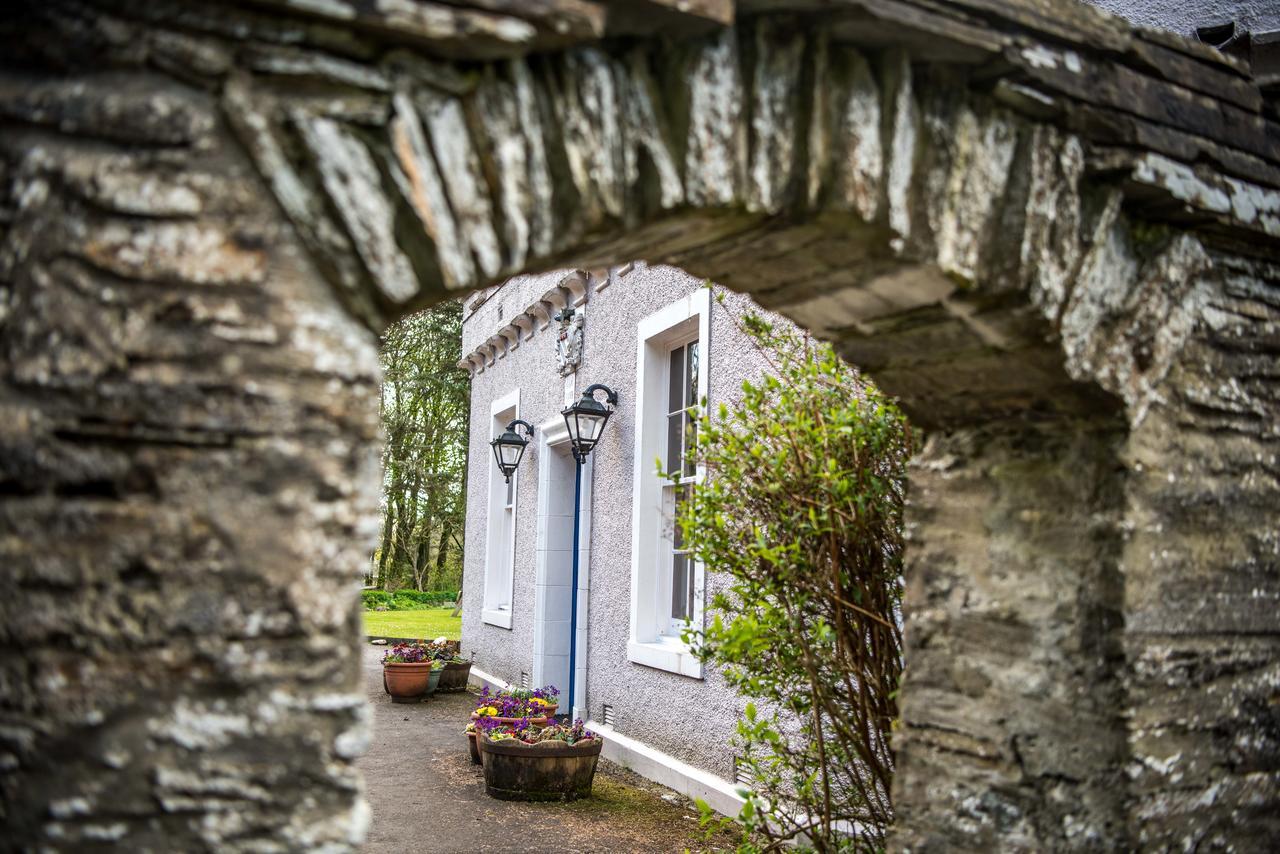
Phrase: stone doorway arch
x=1052 y=236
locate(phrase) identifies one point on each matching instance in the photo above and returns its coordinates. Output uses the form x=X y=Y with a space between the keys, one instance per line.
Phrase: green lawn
x=428 y=625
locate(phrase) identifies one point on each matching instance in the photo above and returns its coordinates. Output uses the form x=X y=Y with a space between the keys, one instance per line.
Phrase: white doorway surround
x=554 y=566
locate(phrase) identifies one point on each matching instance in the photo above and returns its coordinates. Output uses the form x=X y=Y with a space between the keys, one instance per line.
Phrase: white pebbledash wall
x=672 y=727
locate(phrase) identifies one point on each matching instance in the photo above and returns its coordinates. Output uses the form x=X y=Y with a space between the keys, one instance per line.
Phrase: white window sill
x=497 y=617
x=667 y=654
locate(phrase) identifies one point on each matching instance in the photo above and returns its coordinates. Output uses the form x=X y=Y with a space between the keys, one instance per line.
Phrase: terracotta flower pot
x=547 y=771
x=474 y=747
x=406 y=683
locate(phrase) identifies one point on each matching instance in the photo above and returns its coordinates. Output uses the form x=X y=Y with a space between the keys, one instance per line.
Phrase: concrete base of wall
x=494 y=683
x=650 y=763
x=720 y=795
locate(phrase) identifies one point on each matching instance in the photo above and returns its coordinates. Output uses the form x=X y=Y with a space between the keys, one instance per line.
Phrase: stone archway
x=1052 y=237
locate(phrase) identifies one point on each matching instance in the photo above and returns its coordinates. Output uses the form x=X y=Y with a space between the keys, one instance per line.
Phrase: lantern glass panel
x=589 y=426
x=509 y=453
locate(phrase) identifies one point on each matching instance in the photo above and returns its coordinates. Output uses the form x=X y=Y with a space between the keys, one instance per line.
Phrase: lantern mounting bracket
x=528 y=428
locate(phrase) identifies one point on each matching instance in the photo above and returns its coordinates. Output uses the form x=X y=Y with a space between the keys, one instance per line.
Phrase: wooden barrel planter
x=453 y=647
x=473 y=741
x=454 y=677
x=405 y=682
x=547 y=771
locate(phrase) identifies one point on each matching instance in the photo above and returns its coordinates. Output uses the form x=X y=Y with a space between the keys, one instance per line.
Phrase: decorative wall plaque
x=569 y=342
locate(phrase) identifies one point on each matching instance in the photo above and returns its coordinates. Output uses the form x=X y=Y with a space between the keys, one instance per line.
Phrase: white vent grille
x=606 y=715
x=524 y=679
x=741 y=774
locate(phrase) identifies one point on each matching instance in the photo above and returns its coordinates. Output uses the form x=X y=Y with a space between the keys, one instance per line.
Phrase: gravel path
x=428 y=797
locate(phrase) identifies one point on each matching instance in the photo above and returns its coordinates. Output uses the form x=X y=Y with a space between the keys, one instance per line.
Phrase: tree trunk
x=388 y=544
x=442 y=550
x=422 y=562
x=386 y=547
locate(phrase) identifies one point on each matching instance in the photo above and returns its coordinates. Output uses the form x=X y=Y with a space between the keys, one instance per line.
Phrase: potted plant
x=433 y=681
x=511 y=706
x=527 y=762
x=406 y=672
x=547 y=698
x=444 y=648
x=456 y=672
x=514 y=706
x=506 y=707
x=541 y=701
x=472 y=745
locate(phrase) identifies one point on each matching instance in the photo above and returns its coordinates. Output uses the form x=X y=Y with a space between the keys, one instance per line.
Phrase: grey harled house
x=660 y=339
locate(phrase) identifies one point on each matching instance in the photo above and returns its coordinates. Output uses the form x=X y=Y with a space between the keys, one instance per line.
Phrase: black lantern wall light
x=509 y=447
x=586 y=419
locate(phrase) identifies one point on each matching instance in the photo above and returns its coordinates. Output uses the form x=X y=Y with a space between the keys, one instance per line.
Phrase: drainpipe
x=573 y=590
x=590 y=414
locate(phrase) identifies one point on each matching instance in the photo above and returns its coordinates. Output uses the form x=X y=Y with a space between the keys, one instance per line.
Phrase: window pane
x=675 y=374
x=674 y=422
x=691 y=389
x=680 y=585
x=688 y=589
x=508 y=531
x=589 y=427
x=690 y=441
x=677 y=535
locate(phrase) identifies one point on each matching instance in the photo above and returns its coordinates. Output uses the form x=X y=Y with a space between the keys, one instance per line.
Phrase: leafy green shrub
x=407 y=600
x=373 y=599
x=802 y=509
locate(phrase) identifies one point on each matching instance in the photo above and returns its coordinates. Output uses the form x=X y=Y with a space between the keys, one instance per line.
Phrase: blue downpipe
x=573 y=590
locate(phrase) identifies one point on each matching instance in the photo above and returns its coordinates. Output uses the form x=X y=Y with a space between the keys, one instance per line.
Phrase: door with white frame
x=554 y=566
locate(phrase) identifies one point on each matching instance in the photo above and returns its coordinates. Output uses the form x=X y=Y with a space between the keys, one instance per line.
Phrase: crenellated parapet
x=572 y=290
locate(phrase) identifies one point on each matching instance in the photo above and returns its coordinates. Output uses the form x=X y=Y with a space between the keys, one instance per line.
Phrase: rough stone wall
x=1012 y=643
x=1200 y=566
x=1024 y=218
x=188 y=462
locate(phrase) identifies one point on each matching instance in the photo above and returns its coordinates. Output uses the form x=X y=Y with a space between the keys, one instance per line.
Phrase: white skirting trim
x=491 y=681
x=720 y=795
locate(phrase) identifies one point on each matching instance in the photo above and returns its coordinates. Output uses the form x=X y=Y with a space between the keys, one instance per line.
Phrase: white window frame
x=650 y=643
x=500 y=545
